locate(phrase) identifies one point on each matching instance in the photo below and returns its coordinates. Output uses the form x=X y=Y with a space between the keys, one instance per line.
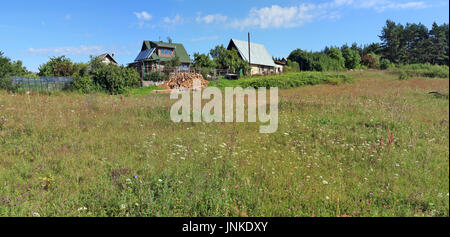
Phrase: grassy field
x=375 y=147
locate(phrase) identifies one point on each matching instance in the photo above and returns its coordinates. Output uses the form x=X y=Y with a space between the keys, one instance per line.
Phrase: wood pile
x=184 y=80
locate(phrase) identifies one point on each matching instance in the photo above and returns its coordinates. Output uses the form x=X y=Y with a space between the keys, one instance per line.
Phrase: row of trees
x=409 y=44
x=414 y=43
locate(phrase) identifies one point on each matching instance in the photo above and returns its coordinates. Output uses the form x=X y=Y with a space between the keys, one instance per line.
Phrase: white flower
x=328 y=198
x=325 y=182
x=123 y=206
x=160 y=180
x=35 y=214
x=82 y=209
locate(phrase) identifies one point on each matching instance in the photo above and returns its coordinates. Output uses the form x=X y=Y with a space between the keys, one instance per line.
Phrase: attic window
x=166 y=52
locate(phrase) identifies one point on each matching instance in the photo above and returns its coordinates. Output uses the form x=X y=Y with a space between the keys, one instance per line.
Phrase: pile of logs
x=184 y=80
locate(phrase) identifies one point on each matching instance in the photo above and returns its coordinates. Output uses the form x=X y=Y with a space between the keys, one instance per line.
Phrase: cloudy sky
x=32 y=31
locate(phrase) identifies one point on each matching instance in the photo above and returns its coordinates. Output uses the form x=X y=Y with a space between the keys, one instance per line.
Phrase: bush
x=385 y=64
x=422 y=70
x=371 y=61
x=6 y=84
x=84 y=84
x=403 y=75
x=156 y=77
x=292 y=66
x=110 y=78
x=321 y=62
x=10 y=68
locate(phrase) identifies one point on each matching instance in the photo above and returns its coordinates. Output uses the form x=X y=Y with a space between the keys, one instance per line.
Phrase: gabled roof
x=148 y=51
x=107 y=55
x=258 y=52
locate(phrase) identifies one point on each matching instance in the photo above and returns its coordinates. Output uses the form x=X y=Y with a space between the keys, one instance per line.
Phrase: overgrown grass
x=376 y=147
x=421 y=70
x=143 y=90
x=286 y=81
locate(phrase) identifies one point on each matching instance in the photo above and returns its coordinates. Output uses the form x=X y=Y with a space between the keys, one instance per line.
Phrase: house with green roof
x=155 y=54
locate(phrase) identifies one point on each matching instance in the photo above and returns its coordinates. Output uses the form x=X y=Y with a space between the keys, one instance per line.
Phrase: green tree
x=393 y=44
x=352 y=58
x=202 y=61
x=58 y=67
x=336 y=54
x=228 y=59
x=10 y=68
x=439 y=44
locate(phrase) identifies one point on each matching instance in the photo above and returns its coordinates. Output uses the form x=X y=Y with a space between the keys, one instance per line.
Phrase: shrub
x=292 y=66
x=371 y=60
x=422 y=70
x=321 y=62
x=112 y=78
x=385 y=64
x=6 y=84
x=403 y=75
x=84 y=84
x=156 y=76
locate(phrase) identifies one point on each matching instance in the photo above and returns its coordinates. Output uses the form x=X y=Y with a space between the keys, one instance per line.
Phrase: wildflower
x=123 y=206
x=328 y=198
x=35 y=214
x=82 y=209
x=325 y=182
x=160 y=180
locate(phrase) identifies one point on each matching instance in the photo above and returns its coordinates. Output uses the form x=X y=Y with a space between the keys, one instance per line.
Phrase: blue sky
x=32 y=31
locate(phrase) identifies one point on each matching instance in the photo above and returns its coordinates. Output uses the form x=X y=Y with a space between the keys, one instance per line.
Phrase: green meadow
x=363 y=144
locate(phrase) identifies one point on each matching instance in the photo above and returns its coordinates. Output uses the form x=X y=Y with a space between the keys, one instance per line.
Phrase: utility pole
x=249 y=55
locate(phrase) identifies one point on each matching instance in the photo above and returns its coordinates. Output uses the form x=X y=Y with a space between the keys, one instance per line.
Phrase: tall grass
x=421 y=70
x=376 y=147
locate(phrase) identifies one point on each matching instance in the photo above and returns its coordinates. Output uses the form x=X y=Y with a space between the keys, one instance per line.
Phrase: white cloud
x=282 y=17
x=69 y=50
x=400 y=6
x=218 y=18
x=173 y=21
x=68 y=17
x=143 y=16
x=277 y=16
